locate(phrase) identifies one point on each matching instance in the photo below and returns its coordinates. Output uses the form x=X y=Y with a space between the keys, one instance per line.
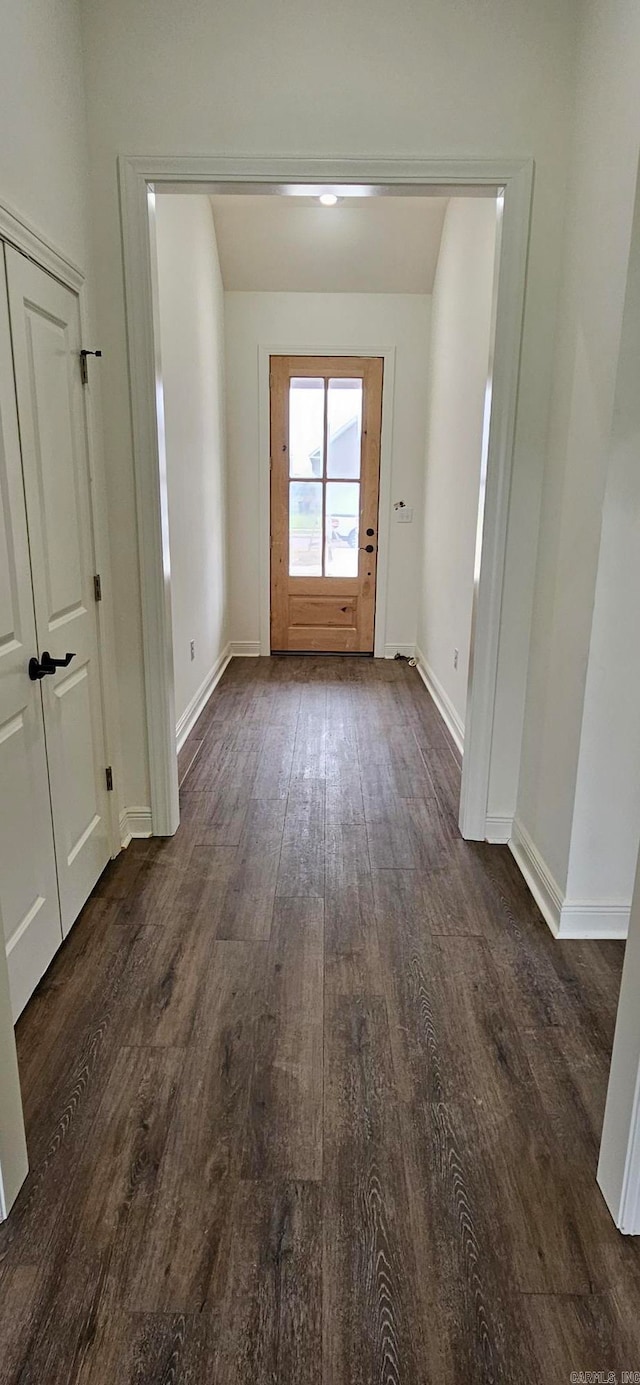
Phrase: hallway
x=312 y=1095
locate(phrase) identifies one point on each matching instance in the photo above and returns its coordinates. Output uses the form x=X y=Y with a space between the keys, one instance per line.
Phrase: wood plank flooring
x=313 y=1096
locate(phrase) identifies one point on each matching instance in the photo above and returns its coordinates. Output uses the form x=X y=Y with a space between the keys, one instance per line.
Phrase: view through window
x=325 y=445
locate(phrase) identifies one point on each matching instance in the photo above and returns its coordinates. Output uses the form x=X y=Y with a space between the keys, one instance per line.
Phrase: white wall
x=43 y=150
x=428 y=77
x=598 y=232
x=192 y=353
x=365 y=324
x=606 y=820
x=459 y=367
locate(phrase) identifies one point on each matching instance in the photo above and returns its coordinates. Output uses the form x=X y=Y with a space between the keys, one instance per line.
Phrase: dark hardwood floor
x=313 y=1096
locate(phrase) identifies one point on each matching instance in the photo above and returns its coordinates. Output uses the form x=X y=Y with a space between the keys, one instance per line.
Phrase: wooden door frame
x=388 y=356
x=19 y=233
x=512 y=180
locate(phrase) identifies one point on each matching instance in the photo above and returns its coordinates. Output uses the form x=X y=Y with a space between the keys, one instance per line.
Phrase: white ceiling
x=363 y=245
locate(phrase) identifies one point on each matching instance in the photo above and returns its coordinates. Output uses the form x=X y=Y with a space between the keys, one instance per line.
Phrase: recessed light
x=328 y=199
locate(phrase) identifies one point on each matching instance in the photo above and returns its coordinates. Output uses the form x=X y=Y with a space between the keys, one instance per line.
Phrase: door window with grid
x=325 y=451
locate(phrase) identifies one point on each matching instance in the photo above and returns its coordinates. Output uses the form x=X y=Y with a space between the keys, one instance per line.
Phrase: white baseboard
x=567 y=918
x=584 y=919
x=390 y=650
x=245 y=649
x=443 y=703
x=200 y=698
x=499 y=830
x=134 y=822
x=544 y=888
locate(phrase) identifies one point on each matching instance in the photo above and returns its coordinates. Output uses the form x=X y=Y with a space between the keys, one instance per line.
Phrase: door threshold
x=322 y=653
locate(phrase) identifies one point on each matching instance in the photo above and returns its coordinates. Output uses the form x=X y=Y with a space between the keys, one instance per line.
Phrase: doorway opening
x=326 y=419
x=510 y=183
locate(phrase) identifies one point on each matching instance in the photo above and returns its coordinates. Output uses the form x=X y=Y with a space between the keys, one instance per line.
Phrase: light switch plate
x=405 y=515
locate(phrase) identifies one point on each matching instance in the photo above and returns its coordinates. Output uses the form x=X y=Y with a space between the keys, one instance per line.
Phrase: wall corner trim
x=499 y=829
x=200 y=698
x=623 y=1199
x=544 y=888
x=390 y=650
x=567 y=918
x=585 y=918
x=135 y=822
x=245 y=649
x=443 y=702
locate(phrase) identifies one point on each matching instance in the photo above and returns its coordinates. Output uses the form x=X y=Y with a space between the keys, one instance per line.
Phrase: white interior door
x=29 y=904
x=45 y=328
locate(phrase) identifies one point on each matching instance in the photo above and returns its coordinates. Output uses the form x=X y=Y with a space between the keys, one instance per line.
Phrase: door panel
x=49 y=349
x=45 y=327
x=334 y=611
x=29 y=905
x=325 y=470
x=74 y=730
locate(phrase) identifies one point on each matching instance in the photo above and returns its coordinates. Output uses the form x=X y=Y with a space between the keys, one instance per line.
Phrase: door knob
x=368 y=548
x=39 y=669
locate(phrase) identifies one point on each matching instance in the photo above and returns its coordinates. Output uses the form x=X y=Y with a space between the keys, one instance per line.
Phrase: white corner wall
x=606 y=818
x=191 y=302
x=602 y=186
x=365 y=324
x=458 y=374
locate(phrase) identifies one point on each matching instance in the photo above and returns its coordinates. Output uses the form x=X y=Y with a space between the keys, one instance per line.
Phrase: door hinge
x=108 y=774
x=84 y=374
x=97 y=587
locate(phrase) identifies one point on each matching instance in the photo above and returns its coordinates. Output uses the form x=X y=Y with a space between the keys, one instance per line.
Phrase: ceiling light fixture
x=328 y=199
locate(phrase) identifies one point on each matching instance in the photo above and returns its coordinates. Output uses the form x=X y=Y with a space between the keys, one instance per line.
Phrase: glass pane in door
x=344 y=428
x=342 y=528
x=306 y=427
x=305 y=528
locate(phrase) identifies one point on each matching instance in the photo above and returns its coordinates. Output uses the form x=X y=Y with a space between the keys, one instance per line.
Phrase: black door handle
x=39 y=669
x=368 y=548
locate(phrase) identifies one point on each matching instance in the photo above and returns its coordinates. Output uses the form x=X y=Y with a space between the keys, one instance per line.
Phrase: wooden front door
x=326 y=414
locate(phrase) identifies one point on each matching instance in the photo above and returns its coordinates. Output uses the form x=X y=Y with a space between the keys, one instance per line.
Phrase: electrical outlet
x=455 y=658
x=192 y=647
